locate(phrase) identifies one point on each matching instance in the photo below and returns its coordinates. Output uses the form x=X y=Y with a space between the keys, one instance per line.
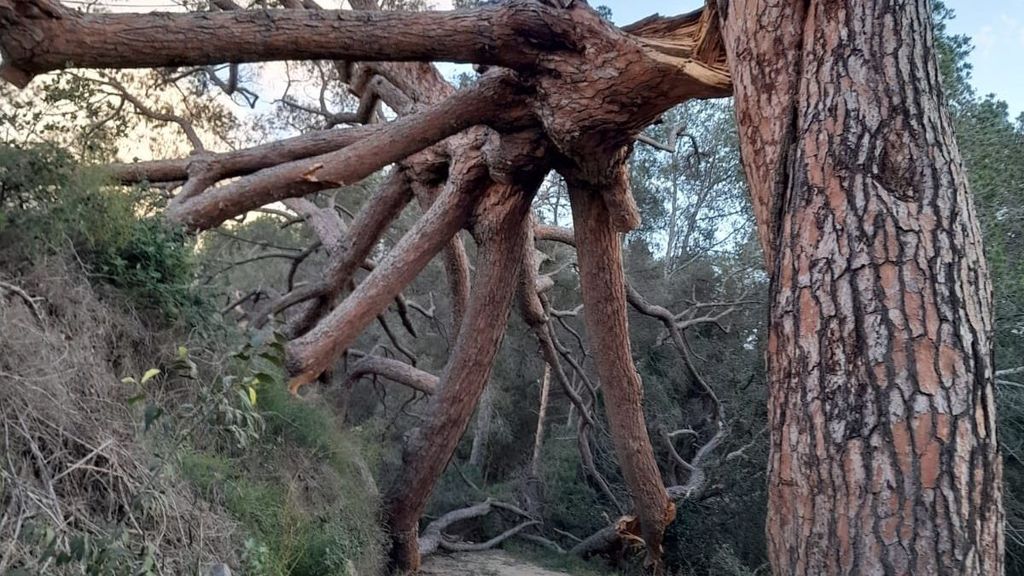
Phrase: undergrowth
x=143 y=435
x=304 y=492
x=51 y=206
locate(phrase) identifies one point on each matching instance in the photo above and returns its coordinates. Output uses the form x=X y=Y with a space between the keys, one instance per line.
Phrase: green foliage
x=111 y=554
x=295 y=485
x=66 y=110
x=571 y=504
x=287 y=534
x=49 y=205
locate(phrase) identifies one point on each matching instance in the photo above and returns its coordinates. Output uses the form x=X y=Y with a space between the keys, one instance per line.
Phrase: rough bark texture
x=883 y=449
x=315 y=351
x=604 y=308
x=392 y=143
x=501 y=235
x=489 y=35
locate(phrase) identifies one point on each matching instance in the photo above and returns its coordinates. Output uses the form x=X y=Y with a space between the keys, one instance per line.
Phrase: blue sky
x=995 y=26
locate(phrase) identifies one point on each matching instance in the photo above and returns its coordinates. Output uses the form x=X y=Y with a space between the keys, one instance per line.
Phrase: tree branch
x=393 y=370
x=313 y=352
x=394 y=141
x=509 y=34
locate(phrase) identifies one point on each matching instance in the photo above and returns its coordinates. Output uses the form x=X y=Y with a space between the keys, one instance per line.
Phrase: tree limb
x=395 y=371
x=509 y=34
x=394 y=141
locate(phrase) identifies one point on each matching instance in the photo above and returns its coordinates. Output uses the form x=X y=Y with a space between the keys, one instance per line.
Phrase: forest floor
x=488 y=563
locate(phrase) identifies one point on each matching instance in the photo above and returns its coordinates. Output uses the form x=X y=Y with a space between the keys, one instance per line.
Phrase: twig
x=31 y=301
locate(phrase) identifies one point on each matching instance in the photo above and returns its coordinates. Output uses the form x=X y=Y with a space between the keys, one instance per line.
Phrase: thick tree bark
x=495 y=34
x=486 y=100
x=883 y=450
x=315 y=351
x=501 y=232
x=599 y=252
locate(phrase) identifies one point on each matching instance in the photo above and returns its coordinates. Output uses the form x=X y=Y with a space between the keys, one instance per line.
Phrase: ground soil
x=489 y=563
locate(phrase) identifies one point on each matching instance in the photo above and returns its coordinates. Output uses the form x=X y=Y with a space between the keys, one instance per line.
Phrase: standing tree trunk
x=883 y=448
x=534 y=487
x=542 y=411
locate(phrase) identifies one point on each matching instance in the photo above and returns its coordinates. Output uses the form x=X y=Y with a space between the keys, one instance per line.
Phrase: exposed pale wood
x=394 y=370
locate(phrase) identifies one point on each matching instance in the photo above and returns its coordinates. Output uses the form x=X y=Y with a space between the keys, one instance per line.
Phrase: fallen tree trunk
x=489 y=35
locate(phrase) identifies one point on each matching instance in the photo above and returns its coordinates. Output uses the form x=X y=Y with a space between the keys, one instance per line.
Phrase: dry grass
x=74 y=459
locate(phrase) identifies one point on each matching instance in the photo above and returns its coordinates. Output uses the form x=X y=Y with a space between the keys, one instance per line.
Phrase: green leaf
x=78 y=546
x=151 y=415
x=265 y=378
x=149 y=375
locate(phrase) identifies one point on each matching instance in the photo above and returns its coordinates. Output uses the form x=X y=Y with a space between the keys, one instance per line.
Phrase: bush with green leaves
x=283 y=468
x=51 y=206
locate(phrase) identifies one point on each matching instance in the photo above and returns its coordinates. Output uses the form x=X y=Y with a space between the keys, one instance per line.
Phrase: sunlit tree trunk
x=883 y=450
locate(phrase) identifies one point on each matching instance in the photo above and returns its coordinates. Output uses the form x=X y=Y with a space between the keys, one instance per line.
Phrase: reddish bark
x=488 y=35
x=883 y=451
x=487 y=100
x=603 y=286
x=501 y=235
x=879 y=347
x=314 y=352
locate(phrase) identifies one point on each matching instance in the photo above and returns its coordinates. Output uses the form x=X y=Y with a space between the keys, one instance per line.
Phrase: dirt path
x=489 y=563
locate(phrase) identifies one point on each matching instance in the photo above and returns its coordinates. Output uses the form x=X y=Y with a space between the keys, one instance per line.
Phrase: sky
x=996 y=28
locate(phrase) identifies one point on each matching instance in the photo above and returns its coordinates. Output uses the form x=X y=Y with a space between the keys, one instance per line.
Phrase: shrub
x=48 y=205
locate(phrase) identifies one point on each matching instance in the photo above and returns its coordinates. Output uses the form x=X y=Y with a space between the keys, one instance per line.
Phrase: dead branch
x=469 y=547
x=395 y=371
x=31 y=301
x=433 y=538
